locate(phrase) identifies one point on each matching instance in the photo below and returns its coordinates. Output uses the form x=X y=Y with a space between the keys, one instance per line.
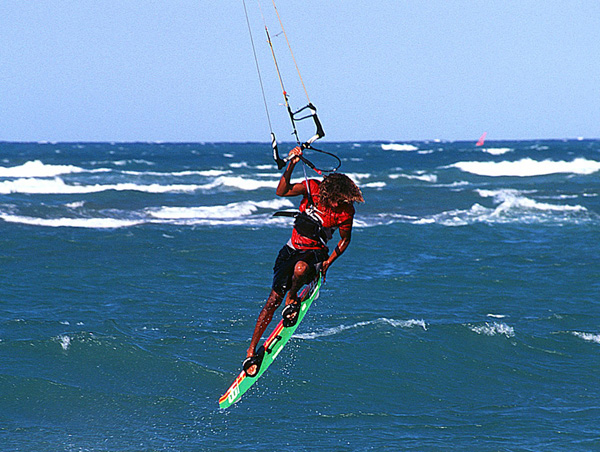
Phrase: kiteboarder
x=326 y=206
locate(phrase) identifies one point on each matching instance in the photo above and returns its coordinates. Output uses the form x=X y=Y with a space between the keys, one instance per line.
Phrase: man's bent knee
x=300 y=269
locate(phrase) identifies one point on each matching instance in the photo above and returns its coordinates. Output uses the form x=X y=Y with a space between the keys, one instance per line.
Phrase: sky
x=388 y=70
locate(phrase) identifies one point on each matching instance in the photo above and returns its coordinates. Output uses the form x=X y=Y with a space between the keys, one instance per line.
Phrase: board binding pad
x=272 y=346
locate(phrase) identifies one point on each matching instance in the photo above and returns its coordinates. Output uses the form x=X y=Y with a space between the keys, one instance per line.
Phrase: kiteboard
x=272 y=346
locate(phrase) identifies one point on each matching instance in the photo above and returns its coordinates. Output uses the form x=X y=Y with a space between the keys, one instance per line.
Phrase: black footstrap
x=289 y=319
x=255 y=360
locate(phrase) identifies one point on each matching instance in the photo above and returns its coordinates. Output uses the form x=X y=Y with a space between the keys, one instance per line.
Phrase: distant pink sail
x=482 y=139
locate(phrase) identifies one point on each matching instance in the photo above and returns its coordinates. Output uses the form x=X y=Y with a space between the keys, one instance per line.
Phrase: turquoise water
x=465 y=315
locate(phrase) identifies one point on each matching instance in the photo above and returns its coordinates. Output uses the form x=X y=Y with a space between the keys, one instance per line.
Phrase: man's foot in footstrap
x=251 y=365
x=290 y=314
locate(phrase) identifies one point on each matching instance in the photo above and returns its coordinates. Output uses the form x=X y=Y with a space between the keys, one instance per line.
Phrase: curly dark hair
x=339 y=188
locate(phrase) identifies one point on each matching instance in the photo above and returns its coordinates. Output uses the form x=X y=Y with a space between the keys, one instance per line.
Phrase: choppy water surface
x=465 y=314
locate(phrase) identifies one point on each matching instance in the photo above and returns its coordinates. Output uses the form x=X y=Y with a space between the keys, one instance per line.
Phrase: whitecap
x=232 y=210
x=58 y=186
x=65 y=342
x=358 y=176
x=496 y=151
x=90 y=223
x=239 y=165
x=240 y=183
x=398 y=147
x=380 y=321
x=421 y=177
x=494 y=329
x=36 y=168
x=203 y=173
x=75 y=204
x=589 y=337
x=513 y=207
x=513 y=199
x=374 y=185
x=528 y=167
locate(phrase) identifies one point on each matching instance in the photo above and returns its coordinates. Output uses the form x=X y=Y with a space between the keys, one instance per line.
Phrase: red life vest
x=330 y=218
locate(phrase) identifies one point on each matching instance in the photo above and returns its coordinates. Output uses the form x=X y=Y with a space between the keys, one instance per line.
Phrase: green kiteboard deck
x=272 y=346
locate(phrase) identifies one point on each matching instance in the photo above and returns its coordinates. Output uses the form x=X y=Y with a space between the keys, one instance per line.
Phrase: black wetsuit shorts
x=283 y=270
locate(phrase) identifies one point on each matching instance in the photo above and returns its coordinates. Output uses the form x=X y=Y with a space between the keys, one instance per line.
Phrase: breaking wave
x=497 y=151
x=494 y=329
x=36 y=168
x=588 y=337
x=399 y=147
x=381 y=321
x=59 y=186
x=232 y=210
x=513 y=207
x=528 y=167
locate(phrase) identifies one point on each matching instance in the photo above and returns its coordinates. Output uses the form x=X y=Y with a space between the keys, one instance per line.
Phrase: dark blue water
x=465 y=315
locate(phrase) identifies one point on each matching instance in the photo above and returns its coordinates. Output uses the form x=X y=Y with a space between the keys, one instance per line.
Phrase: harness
x=307 y=223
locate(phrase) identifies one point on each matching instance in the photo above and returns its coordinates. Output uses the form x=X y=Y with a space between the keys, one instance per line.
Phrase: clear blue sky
x=182 y=70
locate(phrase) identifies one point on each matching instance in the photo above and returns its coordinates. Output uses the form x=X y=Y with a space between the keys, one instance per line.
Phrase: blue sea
x=464 y=316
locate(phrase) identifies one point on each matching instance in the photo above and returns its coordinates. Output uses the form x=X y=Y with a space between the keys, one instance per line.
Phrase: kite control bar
x=320 y=133
x=313 y=114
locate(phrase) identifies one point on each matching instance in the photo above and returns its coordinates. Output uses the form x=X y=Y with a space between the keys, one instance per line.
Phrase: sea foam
x=231 y=210
x=58 y=186
x=589 y=337
x=36 y=168
x=528 y=167
x=381 y=321
x=513 y=207
x=399 y=147
x=89 y=223
x=496 y=151
x=494 y=329
x=511 y=199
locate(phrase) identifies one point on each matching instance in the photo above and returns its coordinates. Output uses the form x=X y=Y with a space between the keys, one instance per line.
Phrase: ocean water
x=464 y=316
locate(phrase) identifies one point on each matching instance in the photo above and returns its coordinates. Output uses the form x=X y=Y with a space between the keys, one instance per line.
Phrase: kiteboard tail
x=272 y=346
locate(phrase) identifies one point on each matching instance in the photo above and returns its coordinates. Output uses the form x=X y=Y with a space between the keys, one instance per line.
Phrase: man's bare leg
x=273 y=302
x=298 y=280
x=264 y=318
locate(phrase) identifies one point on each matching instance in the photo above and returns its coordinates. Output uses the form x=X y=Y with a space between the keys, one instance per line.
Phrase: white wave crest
x=204 y=173
x=399 y=147
x=496 y=151
x=494 y=329
x=58 y=186
x=90 y=223
x=422 y=177
x=381 y=321
x=65 y=342
x=510 y=199
x=36 y=168
x=374 y=185
x=528 y=167
x=240 y=183
x=512 y=207
x=232 y=210
x=589 y=337
x=358 y=176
